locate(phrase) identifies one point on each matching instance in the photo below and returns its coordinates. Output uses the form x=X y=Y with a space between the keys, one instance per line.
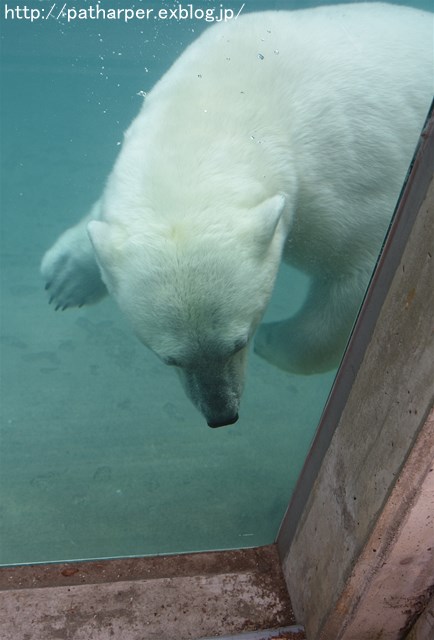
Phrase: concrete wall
x=386 y=410
x=424 y=627
x=391 y=581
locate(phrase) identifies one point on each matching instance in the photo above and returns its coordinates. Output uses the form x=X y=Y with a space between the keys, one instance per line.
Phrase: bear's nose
x=224 y=422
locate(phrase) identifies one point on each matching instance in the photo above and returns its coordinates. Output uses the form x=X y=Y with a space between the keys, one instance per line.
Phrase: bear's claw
x=71 y=274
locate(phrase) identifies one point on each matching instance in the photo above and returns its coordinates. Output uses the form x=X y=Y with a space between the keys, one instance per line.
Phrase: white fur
x=280 y=134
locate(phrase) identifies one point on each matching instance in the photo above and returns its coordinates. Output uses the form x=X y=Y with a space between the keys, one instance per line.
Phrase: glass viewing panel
x=102 y=453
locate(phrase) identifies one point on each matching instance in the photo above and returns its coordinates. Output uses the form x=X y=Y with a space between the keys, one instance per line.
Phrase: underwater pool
x=102 y=455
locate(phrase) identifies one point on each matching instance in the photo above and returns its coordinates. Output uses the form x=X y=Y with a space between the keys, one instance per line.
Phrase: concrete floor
x=163 y=598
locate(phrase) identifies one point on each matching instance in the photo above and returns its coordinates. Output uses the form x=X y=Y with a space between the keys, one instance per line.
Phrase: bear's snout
x=223 y=423
x=215 y=388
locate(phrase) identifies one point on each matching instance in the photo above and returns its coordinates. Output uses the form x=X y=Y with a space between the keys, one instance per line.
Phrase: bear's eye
x=171 y=362
x=239 y=344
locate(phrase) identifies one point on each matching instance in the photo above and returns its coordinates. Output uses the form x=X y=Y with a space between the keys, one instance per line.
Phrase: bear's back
x=327 y=102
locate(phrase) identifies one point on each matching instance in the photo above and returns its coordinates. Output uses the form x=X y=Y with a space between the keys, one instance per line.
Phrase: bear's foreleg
x=314 y=339
x=69 y=268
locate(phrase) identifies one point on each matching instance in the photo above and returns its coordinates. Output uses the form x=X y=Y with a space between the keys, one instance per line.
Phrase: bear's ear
x=268 y=214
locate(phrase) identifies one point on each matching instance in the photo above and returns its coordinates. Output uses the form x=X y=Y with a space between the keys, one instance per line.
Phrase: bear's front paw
x=287 y=345
x=283 y=345
x=273 y=347
x=70 y=271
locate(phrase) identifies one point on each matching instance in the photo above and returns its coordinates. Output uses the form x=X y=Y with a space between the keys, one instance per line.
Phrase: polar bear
x=279 y=135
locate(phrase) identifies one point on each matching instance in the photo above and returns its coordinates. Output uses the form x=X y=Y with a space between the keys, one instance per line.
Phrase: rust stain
x=69 y=572
x=410 y=297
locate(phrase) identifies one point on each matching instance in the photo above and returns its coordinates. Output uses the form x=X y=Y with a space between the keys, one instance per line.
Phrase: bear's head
x=195 y=289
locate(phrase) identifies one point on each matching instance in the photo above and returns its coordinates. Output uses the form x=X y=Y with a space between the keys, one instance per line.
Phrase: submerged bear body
x=277 y=136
